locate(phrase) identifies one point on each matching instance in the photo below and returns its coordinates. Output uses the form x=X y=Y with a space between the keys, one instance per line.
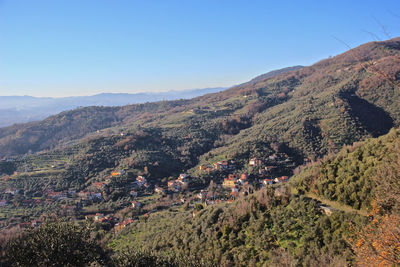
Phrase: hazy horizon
x=116 y=93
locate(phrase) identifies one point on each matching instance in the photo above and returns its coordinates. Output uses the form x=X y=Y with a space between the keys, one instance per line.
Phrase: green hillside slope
x=314 y=109
x=279 y=224
x=290 y=117
x=118 y=167
x=356 y=175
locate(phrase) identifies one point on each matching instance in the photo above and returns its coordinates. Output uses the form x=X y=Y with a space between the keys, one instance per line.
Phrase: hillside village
x=139 y=195
x=296 y=169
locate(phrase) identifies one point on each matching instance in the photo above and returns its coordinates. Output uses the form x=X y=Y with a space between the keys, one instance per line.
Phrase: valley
x=286 y=166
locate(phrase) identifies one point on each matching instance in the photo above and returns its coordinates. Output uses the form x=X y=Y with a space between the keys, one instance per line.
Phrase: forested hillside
x=358 y=174
x=282 y=225
x=314 y=109
x=207 y=178
x=260 y=229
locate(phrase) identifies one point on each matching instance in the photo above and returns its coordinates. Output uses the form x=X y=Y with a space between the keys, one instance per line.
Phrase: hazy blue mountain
x=21 y=109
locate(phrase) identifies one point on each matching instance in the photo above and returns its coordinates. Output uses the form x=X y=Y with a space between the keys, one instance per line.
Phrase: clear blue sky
x=84 y=47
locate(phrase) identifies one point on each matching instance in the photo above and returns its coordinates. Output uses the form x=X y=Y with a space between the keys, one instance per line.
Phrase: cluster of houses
x=278 y=158
x=276 y=180
x=179 y=184
x=235 y=184
x=94 y=193
x=100 y=217
x=265 y=172
x=140 y=182
x=229 y=165
x=239 y=183
x=50 y=196
x=209 y=197
x=223 y=165
x=123 y=224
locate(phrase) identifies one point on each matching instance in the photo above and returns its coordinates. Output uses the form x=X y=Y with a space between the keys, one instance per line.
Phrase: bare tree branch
x=383 y=27
x=367 y=67
x=394 y=14
x=373 y=35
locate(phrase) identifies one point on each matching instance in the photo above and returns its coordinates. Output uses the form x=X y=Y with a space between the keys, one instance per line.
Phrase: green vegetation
x=349 y=176
x=314 y=109
x=64 y=244
x=248 y=232
x=274 y=223
x=275 y=226
x=103 y=164
x=53 y=244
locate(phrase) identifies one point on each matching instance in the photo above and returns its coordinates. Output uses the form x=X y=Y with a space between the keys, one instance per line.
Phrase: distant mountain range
x=21 y=109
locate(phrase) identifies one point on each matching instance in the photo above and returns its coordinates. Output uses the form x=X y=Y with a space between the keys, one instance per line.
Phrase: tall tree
x=54 y=244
